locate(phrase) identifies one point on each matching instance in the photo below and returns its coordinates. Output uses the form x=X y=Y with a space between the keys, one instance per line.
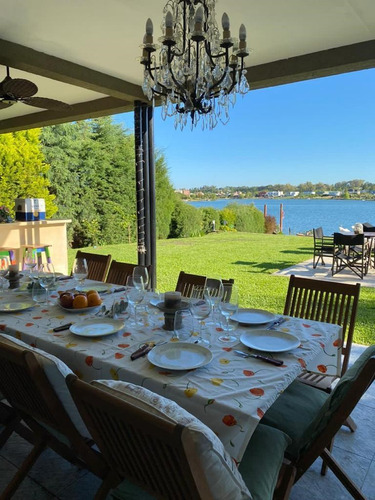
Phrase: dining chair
x=33 y=384
x=351 y=252
x=97 y=264
x=186 y=283
x=154 y=447
x=328 y=302
x=323 y=246
x=311 y=418
x=119 y=272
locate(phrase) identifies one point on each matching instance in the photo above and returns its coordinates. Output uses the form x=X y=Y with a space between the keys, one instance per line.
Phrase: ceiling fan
x=14 y=90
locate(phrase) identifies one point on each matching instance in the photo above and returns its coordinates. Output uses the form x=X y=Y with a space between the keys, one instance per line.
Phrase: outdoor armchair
x=154 y=447
x=119 y=272
x=97 y=264
x=311 y=418
x=323 y=246
x=33 y=383
x=351 y=252
x=186 y=283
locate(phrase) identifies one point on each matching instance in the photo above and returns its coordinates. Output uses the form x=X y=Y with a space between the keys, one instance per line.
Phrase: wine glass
x=140 y=277
x=47 y=277
x=183 y=327
x=200 y=309
x=227 y=308
x=30 y=262
x=213 y=292
x=134 y=295
x=4 y=266
x=80 y=270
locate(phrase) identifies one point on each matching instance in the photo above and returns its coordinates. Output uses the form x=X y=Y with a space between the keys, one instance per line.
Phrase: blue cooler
x=30 y=209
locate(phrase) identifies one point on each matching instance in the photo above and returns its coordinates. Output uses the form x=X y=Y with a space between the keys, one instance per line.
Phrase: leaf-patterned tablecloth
x=230 y=394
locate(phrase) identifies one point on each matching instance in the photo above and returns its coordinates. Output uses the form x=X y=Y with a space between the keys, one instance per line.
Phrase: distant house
x=293 y=193
x=334 y=193
x=274 y=194
x=184 y=192
x=309 y=193
x=261 y=194
x=354 y=191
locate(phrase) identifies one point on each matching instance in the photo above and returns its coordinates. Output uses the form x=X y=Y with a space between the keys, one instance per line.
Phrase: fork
x=276 y=323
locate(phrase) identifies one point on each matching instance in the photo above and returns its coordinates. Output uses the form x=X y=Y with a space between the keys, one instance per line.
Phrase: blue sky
x=319 y=130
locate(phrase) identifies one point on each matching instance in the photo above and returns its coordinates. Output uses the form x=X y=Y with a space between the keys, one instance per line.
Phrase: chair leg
x=323 y=469
x=351 y=487
x=285 y=481
x=23 y=470
x=110 y=481
x=349 y=422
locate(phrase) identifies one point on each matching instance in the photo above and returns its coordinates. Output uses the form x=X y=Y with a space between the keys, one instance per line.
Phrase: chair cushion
x=262 y=461
x=215 y=472
x=293 y=412
x=56 y=372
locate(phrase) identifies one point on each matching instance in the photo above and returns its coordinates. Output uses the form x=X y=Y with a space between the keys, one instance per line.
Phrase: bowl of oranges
x=79 y=301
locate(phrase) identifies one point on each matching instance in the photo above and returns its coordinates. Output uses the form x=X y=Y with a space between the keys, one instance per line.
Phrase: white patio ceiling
x=84 y=52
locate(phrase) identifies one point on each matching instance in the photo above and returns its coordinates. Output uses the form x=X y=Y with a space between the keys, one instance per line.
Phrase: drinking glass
x=4 y=266
x=30 y=262
x=213 y=293
x=38 y=293
x=200 y=309
x=134 y=295
x=80 y=270
x=47 y=277
x=140 y=277
x=183 y=325
x=227 y=308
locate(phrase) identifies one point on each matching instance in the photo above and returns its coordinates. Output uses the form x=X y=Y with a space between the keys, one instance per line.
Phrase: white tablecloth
x=230 y=394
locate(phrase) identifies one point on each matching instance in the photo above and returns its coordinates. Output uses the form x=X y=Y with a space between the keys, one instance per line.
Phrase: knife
x=276 y=323
x=62 y=327
x=276 y=362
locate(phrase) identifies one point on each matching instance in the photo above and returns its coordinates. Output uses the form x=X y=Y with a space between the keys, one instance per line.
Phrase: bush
x=227 y=218
x=208 y=215
x=247 y=218
x=270 y=225
x=186 y=221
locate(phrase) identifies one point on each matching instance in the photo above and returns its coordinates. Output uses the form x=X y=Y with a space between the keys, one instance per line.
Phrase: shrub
x=186 y=221
x=227 y=218
x=247 y=218
x=208 y=215
x=270 y=224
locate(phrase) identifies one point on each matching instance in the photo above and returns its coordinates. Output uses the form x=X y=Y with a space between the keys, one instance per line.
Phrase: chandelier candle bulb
x=226 y=26
x=172 y=299
x=169 y=25
x=149 y=31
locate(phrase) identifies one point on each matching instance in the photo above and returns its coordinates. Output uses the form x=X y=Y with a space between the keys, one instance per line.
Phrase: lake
x=302 y=215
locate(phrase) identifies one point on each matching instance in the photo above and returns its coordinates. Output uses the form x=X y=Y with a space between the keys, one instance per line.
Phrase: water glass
x=183 y=325
x=38 y=293
x=213 y=293
x=47 y=277
x=80 y=270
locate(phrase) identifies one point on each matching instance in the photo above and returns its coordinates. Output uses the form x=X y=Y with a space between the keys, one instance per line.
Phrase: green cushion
x=293 y=411
x=259 y=467
x=262 y=461
x=302 y=412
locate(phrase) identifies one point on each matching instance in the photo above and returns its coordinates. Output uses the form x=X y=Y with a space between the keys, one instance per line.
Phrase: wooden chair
x=323 y=246
x=152 y=445
x=97 y=264
x=329 y=302
x=186 y=282
x=312 y=417
x=351 y=252
x=33 y=384
x=119 y=272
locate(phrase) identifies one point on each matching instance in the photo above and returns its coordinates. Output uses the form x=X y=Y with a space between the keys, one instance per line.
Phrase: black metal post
x=146 y=183
x=139 y=159
x=152 y=193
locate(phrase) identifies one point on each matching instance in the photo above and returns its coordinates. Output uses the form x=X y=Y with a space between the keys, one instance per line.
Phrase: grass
x=250 y=259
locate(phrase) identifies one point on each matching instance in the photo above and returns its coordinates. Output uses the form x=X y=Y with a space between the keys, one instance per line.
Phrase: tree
x=166 y=198
x=23 y=172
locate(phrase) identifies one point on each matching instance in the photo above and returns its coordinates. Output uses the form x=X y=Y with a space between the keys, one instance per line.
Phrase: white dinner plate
x=179 y=356
x=97 y=327
x=269 y=340
x=99 y=287
x=253 y=316
x=82 y=310
x=14 y=306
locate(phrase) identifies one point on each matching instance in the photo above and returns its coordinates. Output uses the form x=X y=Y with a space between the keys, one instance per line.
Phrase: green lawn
x=250 y=259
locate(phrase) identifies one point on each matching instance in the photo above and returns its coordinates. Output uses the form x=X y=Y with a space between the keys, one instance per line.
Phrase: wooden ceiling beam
x=30 y=60
x=328 y=62
x=84 y=110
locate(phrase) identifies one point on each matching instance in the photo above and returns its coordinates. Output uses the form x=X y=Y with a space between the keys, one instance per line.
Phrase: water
x=302 y=215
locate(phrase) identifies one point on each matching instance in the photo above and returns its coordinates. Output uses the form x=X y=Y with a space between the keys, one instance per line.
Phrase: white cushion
x=215 y=472
x=56 y=372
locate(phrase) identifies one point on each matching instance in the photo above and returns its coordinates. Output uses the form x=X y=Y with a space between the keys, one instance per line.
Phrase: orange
x=93 y=299
x=90 y=292
x=79 y=302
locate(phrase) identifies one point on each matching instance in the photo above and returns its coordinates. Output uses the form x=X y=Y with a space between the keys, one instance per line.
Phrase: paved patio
x=305 y=269
x=54 y=478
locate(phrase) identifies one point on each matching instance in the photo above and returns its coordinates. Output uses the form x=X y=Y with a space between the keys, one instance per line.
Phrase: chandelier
x=196 y=71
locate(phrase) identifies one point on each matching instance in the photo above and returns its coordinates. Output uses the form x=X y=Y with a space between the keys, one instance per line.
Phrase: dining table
x=230 y=393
